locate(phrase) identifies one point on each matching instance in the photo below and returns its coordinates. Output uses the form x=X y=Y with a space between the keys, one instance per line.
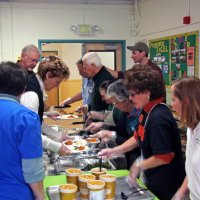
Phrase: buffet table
x=61 y=179
x=55 y=180
x=65 y=123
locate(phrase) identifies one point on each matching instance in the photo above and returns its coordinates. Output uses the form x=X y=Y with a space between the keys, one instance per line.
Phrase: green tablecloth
x=61 y=179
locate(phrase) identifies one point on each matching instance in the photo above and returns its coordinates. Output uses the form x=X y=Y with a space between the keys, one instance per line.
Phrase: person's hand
x=94 y=127
x=66 y=137
x=133 y=174
x=66 y=102
x=105 y=135
x=88 y=121
x=106 y=153
x=64 y=151
x=82 y=109
x=46 y=107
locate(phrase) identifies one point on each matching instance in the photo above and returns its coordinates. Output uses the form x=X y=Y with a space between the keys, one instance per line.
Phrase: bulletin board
x=176 y=55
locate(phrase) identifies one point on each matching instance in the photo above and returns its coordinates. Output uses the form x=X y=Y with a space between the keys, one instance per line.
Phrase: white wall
x=25 y=23
x=160 y=18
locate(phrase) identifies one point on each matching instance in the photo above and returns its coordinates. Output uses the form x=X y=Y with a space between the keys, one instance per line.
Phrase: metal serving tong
x=81 y=122
x=61 y=107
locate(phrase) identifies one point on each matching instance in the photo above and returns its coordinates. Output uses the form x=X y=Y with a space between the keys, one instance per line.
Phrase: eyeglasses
x=32 y=60
x=132 y=94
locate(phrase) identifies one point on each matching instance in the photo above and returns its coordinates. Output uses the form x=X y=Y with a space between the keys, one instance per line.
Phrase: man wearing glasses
x=29 y=57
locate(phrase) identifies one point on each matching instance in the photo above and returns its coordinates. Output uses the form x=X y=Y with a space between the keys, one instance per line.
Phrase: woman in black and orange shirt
x=157 y=135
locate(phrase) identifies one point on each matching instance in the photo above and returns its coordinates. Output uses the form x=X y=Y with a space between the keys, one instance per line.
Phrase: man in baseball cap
x=140 y=53
x=139 y=46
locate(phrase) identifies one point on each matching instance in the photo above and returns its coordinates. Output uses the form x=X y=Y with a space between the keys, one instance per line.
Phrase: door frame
x=122 y=42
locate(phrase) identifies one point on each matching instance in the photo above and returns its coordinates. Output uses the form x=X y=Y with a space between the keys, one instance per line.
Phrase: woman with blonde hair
x=186 y=103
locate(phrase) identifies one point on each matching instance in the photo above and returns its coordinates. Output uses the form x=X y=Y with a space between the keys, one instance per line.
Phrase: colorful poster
x=177 y=55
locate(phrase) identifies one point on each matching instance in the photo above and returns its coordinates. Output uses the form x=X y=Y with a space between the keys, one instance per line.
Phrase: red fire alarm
x=186 y=20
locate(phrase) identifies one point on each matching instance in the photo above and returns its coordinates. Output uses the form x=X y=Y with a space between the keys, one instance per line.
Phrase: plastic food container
x=67 y=191
x=72 y=176
x=83 y=179
x=96 y=189
x=110 y=185
x=96 y=171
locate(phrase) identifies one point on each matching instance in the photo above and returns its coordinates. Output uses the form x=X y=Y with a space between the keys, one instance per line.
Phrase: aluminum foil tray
x=82 y=163
x=121 y=186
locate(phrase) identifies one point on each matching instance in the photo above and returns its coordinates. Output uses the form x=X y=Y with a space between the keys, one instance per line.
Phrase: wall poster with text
x=176 y=55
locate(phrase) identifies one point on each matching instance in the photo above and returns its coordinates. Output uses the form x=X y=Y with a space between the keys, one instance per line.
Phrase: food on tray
x=73 y=171
x=96 y=182
x=81 y=148
x=68 y=186
x=104 y=165
x=69 y=142
x=76 y=145
x=96 y=171
x=86 y=176
x=80 y=142
x=92 y=140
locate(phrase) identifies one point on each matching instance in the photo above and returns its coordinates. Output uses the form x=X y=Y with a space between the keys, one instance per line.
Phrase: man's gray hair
x=29 y=48
x=92 y=58
x=118 y=90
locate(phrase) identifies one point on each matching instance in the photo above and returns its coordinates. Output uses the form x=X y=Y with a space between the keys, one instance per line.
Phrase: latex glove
x=94 y=127
x=105 y=135
x=178 y=196
x=82 y=109
x=64 y=151
x=96 y=115
x=66 y=102
x=133 y=174
x=106 y=153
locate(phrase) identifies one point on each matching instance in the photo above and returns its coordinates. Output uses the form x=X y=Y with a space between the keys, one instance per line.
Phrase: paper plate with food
x=77 y=145
x=70 y=116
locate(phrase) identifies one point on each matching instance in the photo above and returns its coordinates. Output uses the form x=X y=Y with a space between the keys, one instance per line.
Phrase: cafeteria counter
x=61 y=179
x=53 y=180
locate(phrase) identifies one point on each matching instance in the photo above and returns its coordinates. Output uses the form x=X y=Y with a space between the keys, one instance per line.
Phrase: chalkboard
x=176 y=55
